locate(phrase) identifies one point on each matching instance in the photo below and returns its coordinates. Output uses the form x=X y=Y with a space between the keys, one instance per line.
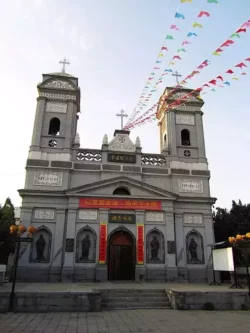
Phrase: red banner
x=140 y=244
x=119 y=204
x=103 y=243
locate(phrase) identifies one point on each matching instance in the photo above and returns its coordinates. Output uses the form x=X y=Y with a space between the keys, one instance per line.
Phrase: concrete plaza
x=154 y=321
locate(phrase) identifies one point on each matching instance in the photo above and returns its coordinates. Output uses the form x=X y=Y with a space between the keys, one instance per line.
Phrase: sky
x=112 y=47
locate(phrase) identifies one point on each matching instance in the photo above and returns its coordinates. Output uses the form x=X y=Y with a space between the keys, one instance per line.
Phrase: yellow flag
x=172 y=63
x=190 y=1
x=161 y=55
x=197 y=25
x=216 y=53
x=235 y=78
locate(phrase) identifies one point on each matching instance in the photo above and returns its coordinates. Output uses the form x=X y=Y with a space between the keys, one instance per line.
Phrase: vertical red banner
x=140 y=244
x=103 y=243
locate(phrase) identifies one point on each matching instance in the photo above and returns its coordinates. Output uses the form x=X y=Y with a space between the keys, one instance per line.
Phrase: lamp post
x=18 y=231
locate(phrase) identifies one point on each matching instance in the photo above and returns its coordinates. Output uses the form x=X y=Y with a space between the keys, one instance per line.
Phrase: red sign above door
x=119 y=204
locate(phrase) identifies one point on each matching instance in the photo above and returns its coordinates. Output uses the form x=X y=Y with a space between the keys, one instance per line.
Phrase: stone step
x=134 y=298
x=136 y=305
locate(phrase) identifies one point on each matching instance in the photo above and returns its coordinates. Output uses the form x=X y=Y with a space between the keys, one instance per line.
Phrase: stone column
x=58 y=246
x=171 y=269
x=69 y=135
x=38 y=123
x=172 y=131
x=102 y=269
x=68 y=267
x=200 y=137
x=140 y=270
x=180 y=248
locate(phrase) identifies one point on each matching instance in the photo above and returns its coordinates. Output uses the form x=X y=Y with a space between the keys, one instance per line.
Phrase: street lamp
x=18 y=231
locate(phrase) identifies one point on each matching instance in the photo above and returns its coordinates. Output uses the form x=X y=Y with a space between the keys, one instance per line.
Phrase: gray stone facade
x=71 y=191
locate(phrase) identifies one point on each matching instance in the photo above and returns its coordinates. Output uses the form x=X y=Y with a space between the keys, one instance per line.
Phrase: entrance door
x=121 y=256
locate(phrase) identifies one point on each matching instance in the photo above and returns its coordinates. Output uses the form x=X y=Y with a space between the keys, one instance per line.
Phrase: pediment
x=122 y=142
x=53 y=83
x=105 y=188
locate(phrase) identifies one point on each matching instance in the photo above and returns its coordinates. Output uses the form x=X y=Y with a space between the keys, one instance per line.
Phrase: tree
x=232 y=222
x=7 y=218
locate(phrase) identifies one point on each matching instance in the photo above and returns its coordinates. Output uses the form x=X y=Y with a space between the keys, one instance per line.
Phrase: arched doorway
x=121 y=256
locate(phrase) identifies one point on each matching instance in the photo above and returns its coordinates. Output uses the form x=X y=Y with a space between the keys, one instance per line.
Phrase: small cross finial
x=122 y=115
x=176 y=74
x=64 y=62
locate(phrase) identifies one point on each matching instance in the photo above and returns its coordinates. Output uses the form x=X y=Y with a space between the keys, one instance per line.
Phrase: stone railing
x=150 y=159
x=89 y=155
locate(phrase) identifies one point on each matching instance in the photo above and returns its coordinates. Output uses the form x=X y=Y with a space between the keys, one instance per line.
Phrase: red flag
x=243 y=73
x=150 y=78
x=227 y=43
x=220 y=77
x=204 y=13
x=177 y=57
x=241 y=64
x=206 y=85
x=164 y=48
x=212 y=81
x=241 y=30
x=198 y=89
x=219 y=50
x=229 y=71
x=247 y=59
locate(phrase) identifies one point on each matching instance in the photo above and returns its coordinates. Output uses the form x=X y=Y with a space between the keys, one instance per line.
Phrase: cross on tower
x=64 y=62
x=177 y=75
x=122 y=115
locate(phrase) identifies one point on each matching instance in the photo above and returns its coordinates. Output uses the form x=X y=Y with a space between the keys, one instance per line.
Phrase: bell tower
x=55 y=124
x=180 y=122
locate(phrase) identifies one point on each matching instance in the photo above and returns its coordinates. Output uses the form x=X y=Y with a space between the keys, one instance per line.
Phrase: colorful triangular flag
x=204 y=14
x=197 y=25
x=179 y=15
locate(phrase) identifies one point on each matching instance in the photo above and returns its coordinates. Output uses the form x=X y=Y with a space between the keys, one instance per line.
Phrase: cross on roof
x=122 y=115
x=176 y=74
x=64 y=62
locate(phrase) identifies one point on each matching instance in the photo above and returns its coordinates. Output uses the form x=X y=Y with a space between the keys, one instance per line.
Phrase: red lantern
x=13 y=229
x=31 y=229
x=22 y=228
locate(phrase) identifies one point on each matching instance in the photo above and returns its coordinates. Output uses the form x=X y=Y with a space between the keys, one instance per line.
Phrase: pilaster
x=37 y=130
x=172 y=133
x=200 y=137
x=171 y=270
x=69 y=135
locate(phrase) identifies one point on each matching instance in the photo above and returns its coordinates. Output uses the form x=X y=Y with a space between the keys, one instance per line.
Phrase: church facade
x=115 y=213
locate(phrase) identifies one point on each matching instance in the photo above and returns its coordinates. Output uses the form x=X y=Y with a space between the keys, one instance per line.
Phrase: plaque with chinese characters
x=122 y=218
x=121 y=158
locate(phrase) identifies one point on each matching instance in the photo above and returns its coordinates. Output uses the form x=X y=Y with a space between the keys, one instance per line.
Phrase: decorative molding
x=44 y=214
x=154 y=217
x=57 y=96
x=153 y=160
x=58 y=107
x=59 y=84
x=189 y=98
x=122 y=143
x=184 y=119
x=184 y=107
x=192 y=186
x=87 y=214
x=192 y=219
x=48 y=178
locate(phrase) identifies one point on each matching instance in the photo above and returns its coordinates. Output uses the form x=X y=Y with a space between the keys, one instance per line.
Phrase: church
x=117 y=212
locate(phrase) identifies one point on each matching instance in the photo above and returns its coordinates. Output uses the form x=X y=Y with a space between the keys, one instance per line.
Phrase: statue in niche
x=155 y=245
x=86 y=243
x=193 y=250
x=40 y=246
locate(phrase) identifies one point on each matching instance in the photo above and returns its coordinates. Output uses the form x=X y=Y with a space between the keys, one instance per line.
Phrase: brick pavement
x=153 y=321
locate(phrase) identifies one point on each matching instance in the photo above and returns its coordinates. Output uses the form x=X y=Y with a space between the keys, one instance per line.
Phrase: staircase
x=116 y=299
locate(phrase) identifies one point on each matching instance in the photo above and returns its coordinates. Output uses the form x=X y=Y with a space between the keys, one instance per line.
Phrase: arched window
x=86 y=245
x=185 y=137
x=121 y=191
x=41 y=245
x=194 y=248
x=155 y=247
x=54 y=126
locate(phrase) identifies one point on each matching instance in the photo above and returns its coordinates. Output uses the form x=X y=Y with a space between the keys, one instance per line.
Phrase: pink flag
x=156 y=67
x=220 y=77
x=185 y=42
x=243 y=73
x=227 y=43
x=247 y=59
x=229 y=71
x=177 y=57
x=174 y=27
x=206 y=85
x=212 y=81
x=204 y=14
x=241 y=65
x=219 y=50
x=241 y=30
x=164 y=48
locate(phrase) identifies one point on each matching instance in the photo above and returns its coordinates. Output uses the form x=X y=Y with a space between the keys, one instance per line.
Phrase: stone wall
x=52 y=302
x=198 y=300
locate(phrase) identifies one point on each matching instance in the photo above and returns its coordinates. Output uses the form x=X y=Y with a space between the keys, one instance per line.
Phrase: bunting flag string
x=163 y=51
x=196 y=24
x=214 y=82
x=230 y=41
